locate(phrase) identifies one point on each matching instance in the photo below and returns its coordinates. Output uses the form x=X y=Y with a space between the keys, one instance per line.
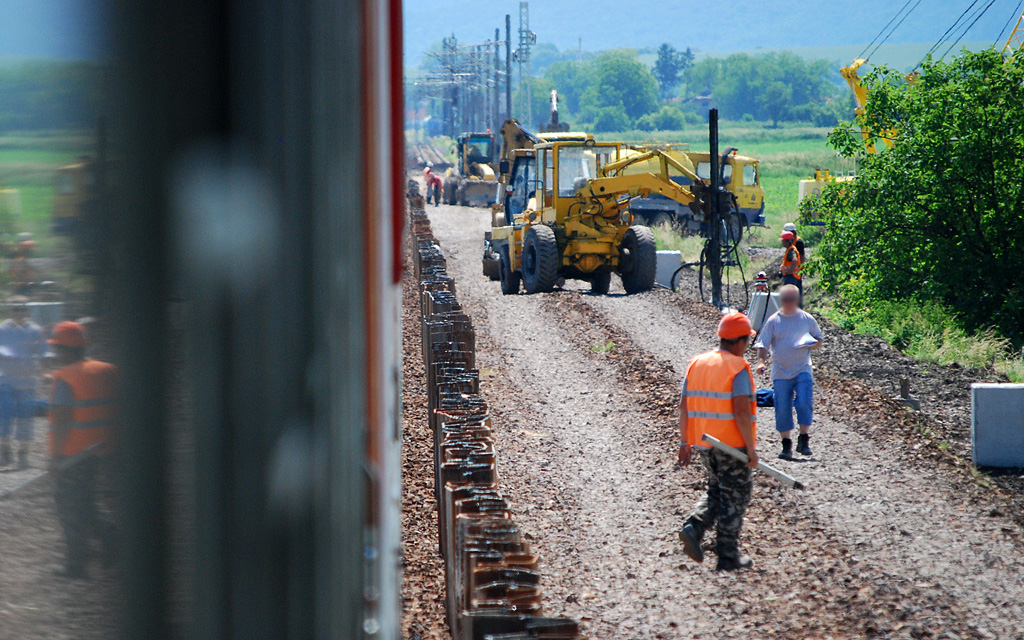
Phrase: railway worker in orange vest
x=718 y=399
x=83 y=411
x=792 y=263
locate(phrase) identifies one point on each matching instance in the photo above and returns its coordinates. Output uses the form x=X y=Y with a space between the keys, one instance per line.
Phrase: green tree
x=775 y=86
x=669 y=65
x=621 y=79
x=571 y=79
x=774 y=100
x=938 y=217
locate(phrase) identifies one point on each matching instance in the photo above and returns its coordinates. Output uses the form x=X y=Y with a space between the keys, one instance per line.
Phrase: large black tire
x=600 y=282
x=639 y=260
x=540 y=260
x=509 y=279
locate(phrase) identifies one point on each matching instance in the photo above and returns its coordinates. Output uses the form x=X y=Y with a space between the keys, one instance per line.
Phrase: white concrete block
x=997 y=425
x=668 y=262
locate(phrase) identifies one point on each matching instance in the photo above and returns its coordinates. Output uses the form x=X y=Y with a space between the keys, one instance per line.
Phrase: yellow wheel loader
x=566 y=215
x=472 y=182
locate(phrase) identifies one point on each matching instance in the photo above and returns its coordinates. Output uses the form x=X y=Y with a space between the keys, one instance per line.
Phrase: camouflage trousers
x=77 y=498
x=729 y=486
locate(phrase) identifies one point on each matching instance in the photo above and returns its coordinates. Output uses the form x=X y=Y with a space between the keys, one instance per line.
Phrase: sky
x=51 y=29
x=723 y=26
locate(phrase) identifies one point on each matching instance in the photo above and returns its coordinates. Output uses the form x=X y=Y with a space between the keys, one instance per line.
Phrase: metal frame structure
x=257 y=220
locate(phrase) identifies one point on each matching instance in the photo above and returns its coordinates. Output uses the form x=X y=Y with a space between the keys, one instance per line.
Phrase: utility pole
x=713 y=251
x=527 y=39
x=495 y=117
x=508 y=68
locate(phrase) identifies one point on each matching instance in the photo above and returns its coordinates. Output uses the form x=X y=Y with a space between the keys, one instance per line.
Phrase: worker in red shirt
x=434 y=185
x=718 y=399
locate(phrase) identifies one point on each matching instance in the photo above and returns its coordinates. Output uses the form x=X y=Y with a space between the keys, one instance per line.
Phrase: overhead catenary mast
x=527 y=39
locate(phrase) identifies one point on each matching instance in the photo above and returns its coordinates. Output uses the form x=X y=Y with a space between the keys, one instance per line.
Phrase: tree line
x=616 y=91
x=37 y=95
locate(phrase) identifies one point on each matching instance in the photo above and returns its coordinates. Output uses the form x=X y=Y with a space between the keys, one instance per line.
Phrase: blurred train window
x=60 y=499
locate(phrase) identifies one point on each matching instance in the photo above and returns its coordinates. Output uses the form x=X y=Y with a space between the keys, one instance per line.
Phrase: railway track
x=582 y=388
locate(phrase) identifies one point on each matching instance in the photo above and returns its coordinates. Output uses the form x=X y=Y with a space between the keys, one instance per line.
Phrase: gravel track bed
x=587 y=444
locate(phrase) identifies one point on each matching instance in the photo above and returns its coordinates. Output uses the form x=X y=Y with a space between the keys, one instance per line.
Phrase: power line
x=893 y=30
x=884 y=28
x=1015 y=16
x=969 y=27
x=942 y=39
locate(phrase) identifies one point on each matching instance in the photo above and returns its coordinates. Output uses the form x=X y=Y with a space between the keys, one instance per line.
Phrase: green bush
x=667 y=118
x=604 y=119
x=929 y=331
x=937 y=217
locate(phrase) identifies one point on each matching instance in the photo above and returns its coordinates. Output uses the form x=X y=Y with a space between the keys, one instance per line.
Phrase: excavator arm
x=609 y=194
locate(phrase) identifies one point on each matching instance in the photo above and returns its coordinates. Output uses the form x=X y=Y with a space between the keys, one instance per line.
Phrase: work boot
x=787 y=449
x=803 y=444
x=734 y=564
x=22 y=460
x=5 y=454
x=691 y=542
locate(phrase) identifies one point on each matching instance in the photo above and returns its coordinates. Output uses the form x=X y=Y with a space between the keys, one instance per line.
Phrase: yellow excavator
x=472 y=181
x=813 y=186
x=566 y=214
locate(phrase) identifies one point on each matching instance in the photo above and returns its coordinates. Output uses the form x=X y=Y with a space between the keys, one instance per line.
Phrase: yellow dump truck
x=741 y=177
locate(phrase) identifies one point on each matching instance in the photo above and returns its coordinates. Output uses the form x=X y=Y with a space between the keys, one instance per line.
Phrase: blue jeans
x=797 y=392
x=17 y=406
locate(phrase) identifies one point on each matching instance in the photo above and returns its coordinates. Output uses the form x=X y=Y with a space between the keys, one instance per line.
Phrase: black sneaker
x=691 y=543
x=787 y=449
x=803 y=444
x=734 y=564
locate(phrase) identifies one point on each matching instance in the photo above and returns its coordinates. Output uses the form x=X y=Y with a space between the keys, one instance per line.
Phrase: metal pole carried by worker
x=718 y=399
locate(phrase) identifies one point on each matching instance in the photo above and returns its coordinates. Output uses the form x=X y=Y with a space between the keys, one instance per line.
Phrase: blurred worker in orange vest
x=792 y=263
x=83 y=413
x=718 y=399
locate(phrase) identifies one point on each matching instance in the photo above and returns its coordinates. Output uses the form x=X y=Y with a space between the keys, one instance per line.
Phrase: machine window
x=704 y=171
x=749 y=175
x=479 y=149
x=523 y=185
x=578 y=162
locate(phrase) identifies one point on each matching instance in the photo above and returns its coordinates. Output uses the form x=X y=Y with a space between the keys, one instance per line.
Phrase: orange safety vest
x=709 y=398
x=792 y=267
x=94 y=389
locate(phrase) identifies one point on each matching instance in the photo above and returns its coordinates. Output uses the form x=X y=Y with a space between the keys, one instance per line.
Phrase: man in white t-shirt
x=789 y=336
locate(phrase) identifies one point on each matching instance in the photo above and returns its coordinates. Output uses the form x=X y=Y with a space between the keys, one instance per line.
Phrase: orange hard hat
x=735 y=325
x=68 y=334
x=787 y=235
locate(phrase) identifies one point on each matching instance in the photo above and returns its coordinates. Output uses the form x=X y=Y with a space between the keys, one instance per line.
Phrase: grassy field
x=28 y=163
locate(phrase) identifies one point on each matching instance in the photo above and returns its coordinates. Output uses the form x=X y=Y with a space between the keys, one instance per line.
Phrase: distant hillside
x=741 y=25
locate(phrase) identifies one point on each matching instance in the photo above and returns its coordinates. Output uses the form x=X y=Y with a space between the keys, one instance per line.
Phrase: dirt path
x=34 y=602
x=582 y=390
